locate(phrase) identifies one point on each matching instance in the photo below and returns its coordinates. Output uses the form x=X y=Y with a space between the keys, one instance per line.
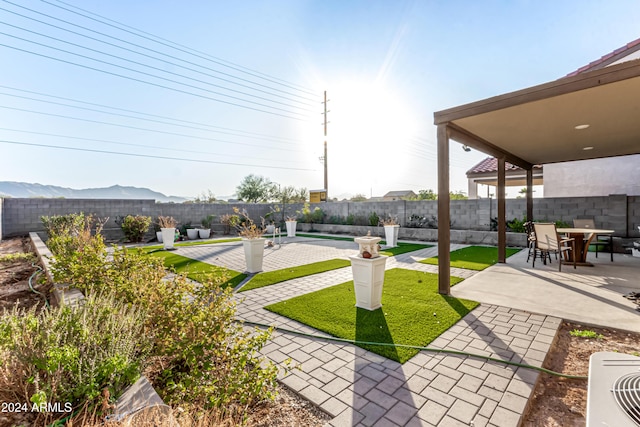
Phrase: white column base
x=368 y=278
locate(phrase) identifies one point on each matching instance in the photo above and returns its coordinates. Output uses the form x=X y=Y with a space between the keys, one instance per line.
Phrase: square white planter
x=391 y=235
x=192 y=233
x=635 y=252
x=291 y=228
x=368 y=279
x=168 y=236
x=253 y=254
x=204 y=233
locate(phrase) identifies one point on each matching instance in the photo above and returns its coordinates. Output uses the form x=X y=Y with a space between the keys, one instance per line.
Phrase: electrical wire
x=148 y=75
x=143 y=129
x=151 y=67
x=150 y=156
x=179 y=48
x=243 y=133
x=417 y=347
x=136 y=45
x=124 y=115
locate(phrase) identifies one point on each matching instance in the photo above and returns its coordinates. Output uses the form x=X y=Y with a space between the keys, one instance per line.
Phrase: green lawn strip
x=272 y=277
x=409 y=301
x=197 y=270
x=196 y=243
x=403 y=248
x=400 y=249
x=473 y=257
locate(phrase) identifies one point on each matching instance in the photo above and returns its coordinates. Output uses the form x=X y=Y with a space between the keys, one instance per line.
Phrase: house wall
x=618 y=212
x=596 y=177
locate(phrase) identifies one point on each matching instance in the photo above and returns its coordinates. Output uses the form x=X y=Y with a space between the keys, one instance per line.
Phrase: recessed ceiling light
x=580 y=127
x=587 y=148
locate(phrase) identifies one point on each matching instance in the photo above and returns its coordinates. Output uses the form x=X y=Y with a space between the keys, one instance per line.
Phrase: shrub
x=58 y=225
x=516 y=225
x=72 y=354
x=374 y=219
x=134 y=227
x=351 y=219
x=336 y=219
x=229 y=221
x=71 y=233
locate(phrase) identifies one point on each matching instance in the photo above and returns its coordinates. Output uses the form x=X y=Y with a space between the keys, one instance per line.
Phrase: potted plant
x=206 y=222
x=252 y=241
x=168 y=229
x=291 y=226
x=391 y=229
x=192 y=233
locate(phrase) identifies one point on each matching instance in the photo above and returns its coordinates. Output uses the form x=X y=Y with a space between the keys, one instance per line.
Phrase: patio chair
x=606 y=242
x=548 y=241
x=531 y=242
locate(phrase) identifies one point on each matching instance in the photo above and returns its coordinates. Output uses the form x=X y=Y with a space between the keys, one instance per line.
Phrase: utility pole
x=326 y=176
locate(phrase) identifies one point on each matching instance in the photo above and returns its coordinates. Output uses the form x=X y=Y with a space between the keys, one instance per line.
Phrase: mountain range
x=27 y=190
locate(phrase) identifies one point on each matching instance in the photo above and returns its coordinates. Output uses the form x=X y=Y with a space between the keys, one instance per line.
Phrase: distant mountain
x=26 y=190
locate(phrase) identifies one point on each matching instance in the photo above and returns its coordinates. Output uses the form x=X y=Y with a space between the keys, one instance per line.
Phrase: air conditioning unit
x=613 y=396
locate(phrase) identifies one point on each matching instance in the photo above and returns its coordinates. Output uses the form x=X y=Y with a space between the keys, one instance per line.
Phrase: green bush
x=374 y=219
x=208 y=360
x=58 y=225
x=134 y=227
x=71 y=354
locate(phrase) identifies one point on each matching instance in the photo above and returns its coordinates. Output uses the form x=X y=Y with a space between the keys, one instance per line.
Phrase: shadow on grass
x=372 y=326
x=455 y=304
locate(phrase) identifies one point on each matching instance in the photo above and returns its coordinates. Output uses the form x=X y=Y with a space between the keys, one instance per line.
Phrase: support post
x=502 y=221
x=529 y=194
x=444 y=232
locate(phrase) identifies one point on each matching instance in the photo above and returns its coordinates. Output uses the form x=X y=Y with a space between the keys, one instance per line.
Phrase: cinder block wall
x=618 y=212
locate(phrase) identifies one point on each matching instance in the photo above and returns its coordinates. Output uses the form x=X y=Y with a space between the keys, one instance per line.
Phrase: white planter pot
x=192 y=233
x=391 y=235
x=159 y=236
x=204 y=233
x=168 y=235
x=270 y=229
x=368 y=279
x=253 y=254
x=291 y=228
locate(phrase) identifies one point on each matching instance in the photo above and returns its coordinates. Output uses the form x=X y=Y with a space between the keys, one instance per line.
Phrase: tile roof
x=490 y=164
x=609 y=58
x=400 y=193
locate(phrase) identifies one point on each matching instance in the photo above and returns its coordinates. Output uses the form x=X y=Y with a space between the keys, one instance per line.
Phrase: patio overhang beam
x=469 y=139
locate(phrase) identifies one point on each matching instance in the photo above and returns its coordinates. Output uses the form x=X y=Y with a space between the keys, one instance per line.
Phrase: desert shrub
x=351 y=219
x=360 y=220
x=72 y=354
x=336 y=219
x=516 y=225
x=57 y=225
x=308 y=216
x=208 y=359
x=134 y=227
x=229 y=222
x=71 y=233
x=374 y=219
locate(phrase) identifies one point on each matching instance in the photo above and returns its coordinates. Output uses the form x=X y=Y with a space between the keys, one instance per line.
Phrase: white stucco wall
x=597 y=177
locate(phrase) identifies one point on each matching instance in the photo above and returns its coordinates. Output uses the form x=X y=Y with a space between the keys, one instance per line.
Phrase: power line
x=247 y=134
x=188 y=50
x=150 y=156
x=139 y=128
x=148 y=74
x=150 y=83
x=162 y=70
x=139 y=46
x=105 y=141
x=120 y=115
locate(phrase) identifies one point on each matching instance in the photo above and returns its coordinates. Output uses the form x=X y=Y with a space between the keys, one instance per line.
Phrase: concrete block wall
x=618 y=212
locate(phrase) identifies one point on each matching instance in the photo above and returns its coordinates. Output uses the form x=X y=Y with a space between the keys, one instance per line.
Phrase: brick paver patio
x=360 y=388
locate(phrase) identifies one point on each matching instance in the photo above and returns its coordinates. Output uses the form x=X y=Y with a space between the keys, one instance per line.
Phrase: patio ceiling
x=537 y=125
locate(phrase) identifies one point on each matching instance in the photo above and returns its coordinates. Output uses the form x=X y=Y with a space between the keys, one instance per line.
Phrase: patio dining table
x=583 y=238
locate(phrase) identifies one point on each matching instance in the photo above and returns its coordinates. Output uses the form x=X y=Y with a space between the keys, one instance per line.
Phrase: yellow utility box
x=317 y=196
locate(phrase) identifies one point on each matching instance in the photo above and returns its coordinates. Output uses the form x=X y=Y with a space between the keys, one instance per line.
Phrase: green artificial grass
x=473 y=257
x=400 y=249
x=272 y=277
x=412 y=312
x=197 y=270
x=196 y=243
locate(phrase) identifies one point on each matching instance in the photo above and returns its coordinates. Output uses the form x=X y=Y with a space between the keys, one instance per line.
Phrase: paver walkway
x=360 y=388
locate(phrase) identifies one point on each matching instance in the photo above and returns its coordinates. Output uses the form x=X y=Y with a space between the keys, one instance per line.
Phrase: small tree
x=255 y=189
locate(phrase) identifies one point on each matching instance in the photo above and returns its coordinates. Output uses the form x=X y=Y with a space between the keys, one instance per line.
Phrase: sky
x=187 y=97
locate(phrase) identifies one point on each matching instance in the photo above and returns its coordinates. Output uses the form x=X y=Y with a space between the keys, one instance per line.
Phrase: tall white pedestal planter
x=368 y=273
x=391 y=235
x=253 y=254
x=168 y=235
x=368 y=278
x=291 y=228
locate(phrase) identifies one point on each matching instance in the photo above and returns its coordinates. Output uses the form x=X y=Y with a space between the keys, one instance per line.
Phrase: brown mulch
x=14 y=278
x=562 y=402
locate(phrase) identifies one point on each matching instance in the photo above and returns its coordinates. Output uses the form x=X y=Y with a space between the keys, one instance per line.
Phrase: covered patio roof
x=540 y=125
